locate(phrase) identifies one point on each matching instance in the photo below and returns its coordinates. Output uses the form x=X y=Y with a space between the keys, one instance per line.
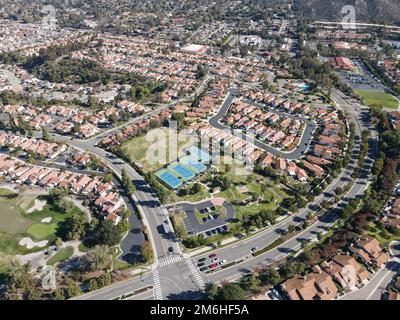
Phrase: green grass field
x=16 y=223
x=379 y=98
x=61 y=255
x=155 y=146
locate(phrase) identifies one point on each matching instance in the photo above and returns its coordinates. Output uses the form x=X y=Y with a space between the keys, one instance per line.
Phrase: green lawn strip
x=199 y=216
x=61 y=255
x=379 y=98
x=271 y=246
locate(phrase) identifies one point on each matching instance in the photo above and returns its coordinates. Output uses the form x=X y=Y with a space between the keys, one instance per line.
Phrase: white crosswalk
x=169 y=260
x=196 y=274
x=157 y=286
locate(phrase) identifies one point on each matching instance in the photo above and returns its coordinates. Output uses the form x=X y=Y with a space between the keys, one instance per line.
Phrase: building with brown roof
x=314 y=286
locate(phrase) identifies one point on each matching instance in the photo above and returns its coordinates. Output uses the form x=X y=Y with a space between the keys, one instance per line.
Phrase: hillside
x=372 y=11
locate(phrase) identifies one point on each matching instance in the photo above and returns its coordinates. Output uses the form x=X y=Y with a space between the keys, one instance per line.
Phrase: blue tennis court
x=199 y=154
x=169 y=179
x=193 y=164
x=185 y=173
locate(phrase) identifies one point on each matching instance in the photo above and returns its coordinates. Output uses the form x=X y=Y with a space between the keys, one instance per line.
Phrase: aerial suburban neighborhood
x=199 y=150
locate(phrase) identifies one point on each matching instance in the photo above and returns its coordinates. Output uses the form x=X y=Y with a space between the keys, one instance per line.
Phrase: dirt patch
x=46 y=220
x=29 y=243
x=37 y=206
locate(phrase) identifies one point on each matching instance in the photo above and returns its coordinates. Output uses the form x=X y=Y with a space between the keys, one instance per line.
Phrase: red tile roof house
x=315 y=169
x=280 y=166
x=325 y=152
x=7 y=167
x=317 y=285
x=45 y=181
x=319 y=161
x=346 y=271
x=82 y=181
x=369 y=250
x=329 y=141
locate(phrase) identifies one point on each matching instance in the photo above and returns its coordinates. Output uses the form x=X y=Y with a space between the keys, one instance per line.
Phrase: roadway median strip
x=271 y=246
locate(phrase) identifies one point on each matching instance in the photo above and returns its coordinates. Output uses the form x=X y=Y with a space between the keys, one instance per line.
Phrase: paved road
x=294 y=155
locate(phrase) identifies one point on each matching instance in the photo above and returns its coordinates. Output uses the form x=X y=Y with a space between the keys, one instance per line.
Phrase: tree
x=107 y=233
x=18 y=281
x=250 y=282
x=58 y=242
x=231 y=291
x=196 y=188
x=270 y=276
x=211 y=290
x=146 y=252
x=291 y=228
x=72 y=289
x=97 y=259
x=127 y=182
x=73 y=228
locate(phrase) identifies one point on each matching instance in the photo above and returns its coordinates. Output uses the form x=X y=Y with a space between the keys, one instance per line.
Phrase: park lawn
x=61 y=255
x=156 y=143
x=379 y=98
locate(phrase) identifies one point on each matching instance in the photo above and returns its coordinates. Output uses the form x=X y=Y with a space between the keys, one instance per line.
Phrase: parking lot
x=361 y=78
x=204 y=218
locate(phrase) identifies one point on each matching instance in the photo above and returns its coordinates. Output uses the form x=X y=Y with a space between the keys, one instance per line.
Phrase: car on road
x=215 y=260
x=252 y=250
x=170 y=249
x=213 y=266
x=202 y=259
x=204 y=219
x=213 y=255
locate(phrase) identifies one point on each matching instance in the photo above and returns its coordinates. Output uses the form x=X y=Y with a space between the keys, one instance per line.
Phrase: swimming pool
x=169 y=178
x=304 y=86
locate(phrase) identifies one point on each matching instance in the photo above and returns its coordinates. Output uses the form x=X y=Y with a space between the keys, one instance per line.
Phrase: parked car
x=201 y=264
x=213 y=266
x=203 y=269
x=215 y=260
x=213 y=255
x=222 y=262
x=202 y=259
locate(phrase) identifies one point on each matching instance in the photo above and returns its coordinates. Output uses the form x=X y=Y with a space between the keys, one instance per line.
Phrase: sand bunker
x=46 y=220
x=29 y=243
x=37 y=206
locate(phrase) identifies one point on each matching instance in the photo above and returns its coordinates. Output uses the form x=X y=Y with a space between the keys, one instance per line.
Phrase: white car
x=214 y=260
x=222 y=262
